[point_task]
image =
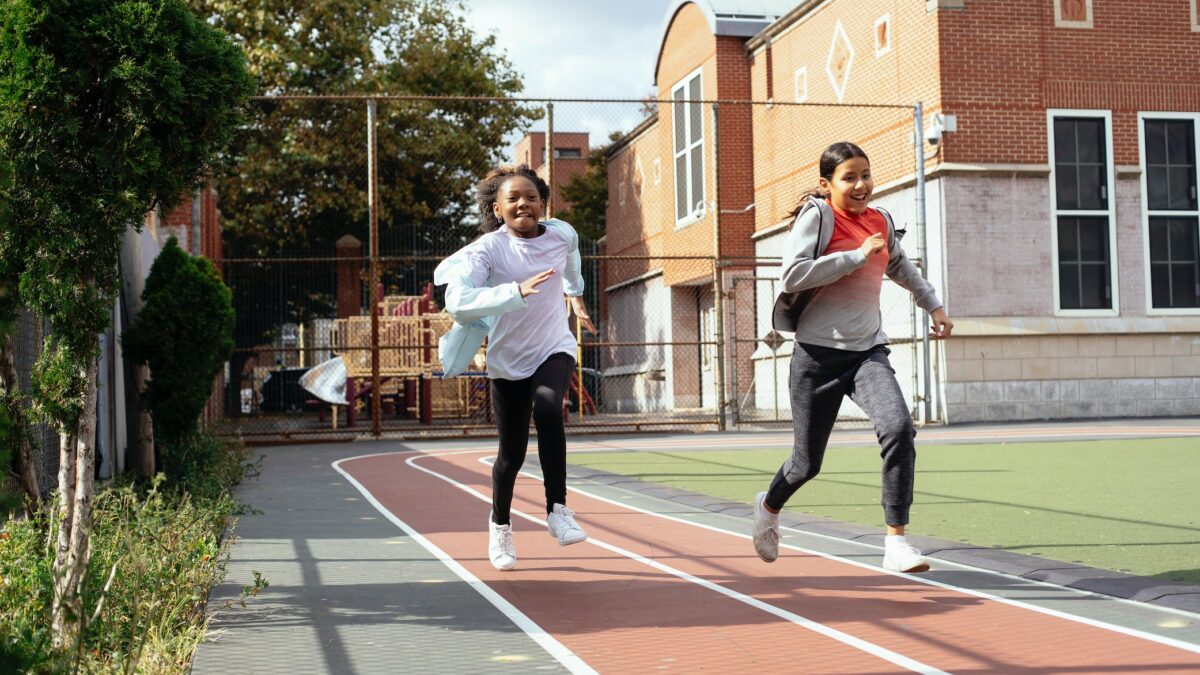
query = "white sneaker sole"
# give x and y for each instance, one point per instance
(568, 542)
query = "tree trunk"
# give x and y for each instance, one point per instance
(77, 488)
(145, 431)
(24, 466)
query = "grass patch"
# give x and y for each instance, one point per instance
(1125, 505)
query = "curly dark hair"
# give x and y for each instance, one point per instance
(486, 189)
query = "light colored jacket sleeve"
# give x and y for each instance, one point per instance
(906, 275)
(803, 266)
(468, 297)
(572, 274)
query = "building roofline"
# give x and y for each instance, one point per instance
(800, 11)
(728, 22)
(619, 144)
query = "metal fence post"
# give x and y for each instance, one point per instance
(718, 292)
(919, 144)
(549, 150)
(373, 293)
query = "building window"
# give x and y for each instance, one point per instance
(1073, 13)
(883, 35)
(801, 84)
(1172, 214)
(567, 153)
(1195, 16)
(1081, 189)
(689, 149)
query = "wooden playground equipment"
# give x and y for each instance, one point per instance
(409, 371)
(409, 328)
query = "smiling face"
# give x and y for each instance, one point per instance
(519, 205)
(851, 186)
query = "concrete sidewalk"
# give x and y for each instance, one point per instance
(351, 593)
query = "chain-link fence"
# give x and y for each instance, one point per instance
(336, 210)
(28, 335)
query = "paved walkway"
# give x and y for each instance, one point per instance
(376, 565)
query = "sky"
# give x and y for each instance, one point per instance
(578, 49)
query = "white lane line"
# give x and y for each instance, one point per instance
(844, 638)
(552, 646)
(1017, 603)
(1132, 632)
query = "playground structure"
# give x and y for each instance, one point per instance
(409, 372)
(411, 386)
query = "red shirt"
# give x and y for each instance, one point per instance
(849, 232)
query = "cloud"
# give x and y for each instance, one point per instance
(576, 49)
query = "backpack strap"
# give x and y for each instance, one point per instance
(894, 235)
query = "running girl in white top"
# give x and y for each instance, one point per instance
(517, 273)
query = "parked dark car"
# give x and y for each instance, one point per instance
(281, 391)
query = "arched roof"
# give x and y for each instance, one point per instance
(737, 18)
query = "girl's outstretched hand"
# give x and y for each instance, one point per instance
(942, 325)
(529, 286)
(581, 311)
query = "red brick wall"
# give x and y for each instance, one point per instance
(789, 139)
(1004, 64)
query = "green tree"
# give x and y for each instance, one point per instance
(184, 332)
(296, 179)
(107, 109)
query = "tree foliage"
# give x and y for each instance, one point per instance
(296, 180)
(184, 332)
(107, 108)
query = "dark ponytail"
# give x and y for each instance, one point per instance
(833, 156)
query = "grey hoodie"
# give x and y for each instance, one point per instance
(806, 273)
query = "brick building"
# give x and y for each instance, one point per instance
(569, 160)
(1062, 232)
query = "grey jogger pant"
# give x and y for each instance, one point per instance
(820, 377)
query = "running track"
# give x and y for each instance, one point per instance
(650, 591)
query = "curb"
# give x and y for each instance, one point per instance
(1070, 575)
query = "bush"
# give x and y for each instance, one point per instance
(185, 333)
(167, 552)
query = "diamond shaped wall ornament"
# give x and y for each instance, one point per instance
(841, 56)
(773, 340)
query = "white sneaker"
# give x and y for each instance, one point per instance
(500, 545)
(903, 557)
(766, 530)
(562, 526)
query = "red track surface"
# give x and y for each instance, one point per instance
(621, 614)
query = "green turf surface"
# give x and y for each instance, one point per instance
(1130, 505)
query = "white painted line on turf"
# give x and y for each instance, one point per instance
(1132, 632)
(552, 646)
(844, 638)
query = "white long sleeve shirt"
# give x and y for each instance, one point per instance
(484, 281)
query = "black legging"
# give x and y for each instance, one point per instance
(512, 402)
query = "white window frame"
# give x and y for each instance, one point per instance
(1195, 17)
(799, 92)
(1110, 213)
(1151, 310)
(881, 50)
(696, 212)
